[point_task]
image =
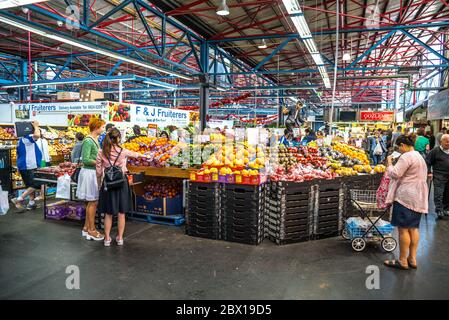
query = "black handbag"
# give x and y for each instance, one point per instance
(113, 175)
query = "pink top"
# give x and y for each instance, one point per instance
(103, 163)
(409, 182)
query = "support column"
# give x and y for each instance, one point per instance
(204, 104)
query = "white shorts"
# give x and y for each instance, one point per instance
(87, 185)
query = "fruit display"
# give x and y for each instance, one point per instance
(289, 157)
(81, 119)
(60, 147)
(157, 150)
(353, 154)
(60, 170)
(119, 112)
(300, 173)
(189, 156)
(7, 133)
(16, 176)
(71, 131)
(162, 188)
(238, 157)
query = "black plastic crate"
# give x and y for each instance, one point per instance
(288, 210)
(281, 242)
(240, 219)
(325, 235)
(199, 234)
(288, 217)
(287, 223)
(243, 205)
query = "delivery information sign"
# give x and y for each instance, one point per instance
(161, 116)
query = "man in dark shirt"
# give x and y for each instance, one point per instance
(438, 160)
(293, 117)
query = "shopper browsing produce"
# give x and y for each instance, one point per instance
(29, 158)
(310, 136)
(115, 199)
(378, 149)
(422, 144)
(438, 165)
(76, 152)
(87, 182)
(137, 133)
(42, 143)
(286, 138)
(409, 196)
(109, 126)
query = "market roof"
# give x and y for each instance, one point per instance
(384, 38)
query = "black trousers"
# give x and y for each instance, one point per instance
(441, 192)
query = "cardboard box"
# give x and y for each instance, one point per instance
(159, 206)
(90, 95)
(66, 95)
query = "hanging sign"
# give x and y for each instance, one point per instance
(119, 112)
(161, 116)
(377, 116)
(152, 130)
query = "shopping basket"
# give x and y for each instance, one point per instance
(365, 202)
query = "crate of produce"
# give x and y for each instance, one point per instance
(56, 210)
(159, 206)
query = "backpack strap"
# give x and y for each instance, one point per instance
(109, 160)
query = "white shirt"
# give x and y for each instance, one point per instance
(445, 151)
(43, 147)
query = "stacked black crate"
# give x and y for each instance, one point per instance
(359, 182)
(328, 209)
(203, 210)
(289, 214)
(243, 213)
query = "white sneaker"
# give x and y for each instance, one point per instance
(84, 233)
(119, 242)
(107, 243)
(97, 237)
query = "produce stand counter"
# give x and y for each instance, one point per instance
(47, 179)
(170, 172)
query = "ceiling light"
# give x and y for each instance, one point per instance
(317, 58)
(346, 56)
(160, 84)
(223, 9)
(302, 26)
(74, 81)
(263, 45)
(17, 3)
(292, 6)
(310, 45)
(88, 47)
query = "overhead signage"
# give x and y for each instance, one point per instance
(377, 116)
(438, 106)
(161, 116)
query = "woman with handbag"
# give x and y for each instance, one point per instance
(115, 193)
(378, 148)
(87, 189)
(408, 193)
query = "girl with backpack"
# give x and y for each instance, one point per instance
(115, 193)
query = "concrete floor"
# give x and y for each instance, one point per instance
(159, 262)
